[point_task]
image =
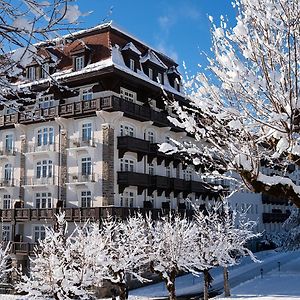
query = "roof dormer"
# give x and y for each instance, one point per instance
(131, 55)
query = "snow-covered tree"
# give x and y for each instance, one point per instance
(23, 24)
(173, 249)
(244, 108)
(64, 264)
(223, 237)
(127, 250)
(5, 268)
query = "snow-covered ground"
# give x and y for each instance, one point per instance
(246, 278)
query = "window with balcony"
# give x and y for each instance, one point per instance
(127, 130)
(43, 200)
(45, 136)
(8, 172)
(39, 233)
(87, 94)
(86, 199)
(6, 201)
(46, 101)
(9, 143)
(127, 94)
(6, 233)
(151, 169)
(86, 132)
(127, 199)
(168, 171)
(79, 63)
(31, 73)
(187, 174)
(86, 166)
(151, 136)
(44, 169)
(45, 70)
(126, 165)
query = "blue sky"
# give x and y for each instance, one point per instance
(179, 28)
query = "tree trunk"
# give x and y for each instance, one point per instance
(171, 288)
(226, 282)
(206, 284)
(122, 291)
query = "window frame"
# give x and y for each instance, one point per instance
(6, 201)
(44, 167)
(86, 199)
(86, 166)
(38, 231)
(6, 232)
(132, 64)
(45, 136)
(79, 62)
(44, 199)
(87, 94)
(127, 164)
(150, 73)
(128, 95)
(31, 73)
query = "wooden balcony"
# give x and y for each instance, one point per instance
(142, 181)
(21, 248)
(89, 107)
(275, 217)
(267, 199)
(133, 144)
(7, 215)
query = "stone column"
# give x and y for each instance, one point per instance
(108, 165)
(22, 168)
(63, 170)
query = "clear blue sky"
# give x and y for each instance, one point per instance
(179, 28)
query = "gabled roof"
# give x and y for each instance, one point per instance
(152, 57)
(132, 47)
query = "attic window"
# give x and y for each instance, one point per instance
(79, 63)
(31, 73)
(159, 78)
(150, 73)
(132, 64)
(45, 69)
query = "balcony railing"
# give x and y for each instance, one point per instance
(267, 199)
(81, 178)
(69, 110)
(34, 147)
(133, 144)
(4, 182)
(33, 181)
(8, 151)
(275, 217)
(81, 142)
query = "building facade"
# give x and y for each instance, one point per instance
(87, 137)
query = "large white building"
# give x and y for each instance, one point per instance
(88, 143)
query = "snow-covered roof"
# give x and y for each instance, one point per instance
(173, 70)
(151, 56)
(132, 47)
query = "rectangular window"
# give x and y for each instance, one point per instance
(45, 70)
(187, 174)
(43, 200)
(127, 165)
(150, 73)
(86, 166)
(126, 130)
(128, 95)
(46, 101)
(87, 94)
(9, 143)
(44, 169)
(86, 132)
(168, 171)
(45, 136)
(5, 233)
(151, 169)
(132, 64)
(86, 199)
(79, 63)
(31, 73)
(127, 199)
(160, 78)
(39, 233)
(6, 202)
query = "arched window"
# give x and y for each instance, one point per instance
(127, 130)
(150, 136)
(127, 165)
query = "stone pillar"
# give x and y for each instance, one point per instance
(22, 168)
(108, 165)
(63, 171)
